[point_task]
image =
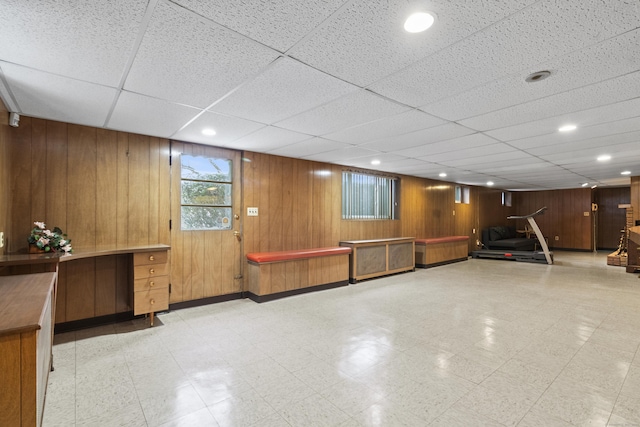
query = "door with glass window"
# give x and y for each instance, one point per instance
(205, 222)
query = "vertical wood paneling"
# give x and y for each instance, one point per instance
(20, 195)
(635, 197)
(122, 191)
(39, 170)
(106, 285)
(107, 192)
(81, 289)
(5, 218)
(138, 200)
(81, 187)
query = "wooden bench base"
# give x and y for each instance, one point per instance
(279, 274)
(441, 250)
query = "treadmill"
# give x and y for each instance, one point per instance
(542, 257)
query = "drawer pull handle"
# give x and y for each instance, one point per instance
(151, 284)
(151, 270)
(151, 258)
(153, 301)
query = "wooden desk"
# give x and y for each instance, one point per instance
(27, 304)
(142, 276)
(373, 258)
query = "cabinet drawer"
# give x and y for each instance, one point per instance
(144, 258)
(152, 300)
(156, 282)
(153, 270)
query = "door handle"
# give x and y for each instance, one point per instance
(237, 234)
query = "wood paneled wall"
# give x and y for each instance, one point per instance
(564, 218)
(4, 173)
(635, 196)
(105, 189)
(300, 201)
(611, 219)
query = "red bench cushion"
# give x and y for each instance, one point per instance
(259, 257)
(446, 239)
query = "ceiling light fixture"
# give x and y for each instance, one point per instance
(208, 132)
(585, 184)
(594, 186)
(625, 173)
(604, 158)
(442, 175)
(489, 183)
(375, 162)
(567, 128)
(419, 22)
(537, 76)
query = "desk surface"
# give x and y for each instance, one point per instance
(22, 301)
(44, 258)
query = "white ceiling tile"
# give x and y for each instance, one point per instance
(366, 41)
(606, 60)
(419, 138)
(603, 114)
(276, 23)
(606, 92)
(498, 159)
(227, 128)
(45, 95)
(354, 109)
(470, 152)
(610, 129)
(576, 146)
(86, 40)
(523, 40)
(186, 59)
(309, 147)
(285, 89)
(162, 118)
(399, 124)
(339, 156)
(268, 138)
(449, 145)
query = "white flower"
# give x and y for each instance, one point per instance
(44, 241)
(47, 233)
(40, 225)
(67, 248)
(62, 242)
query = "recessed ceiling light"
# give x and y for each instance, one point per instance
(419, 22)
(585, 184)
(604, 158)
(489, 183)
(208, 132)
(375, 162)
(625, 173)
(567, 128)
(537, 76)
(442, 174)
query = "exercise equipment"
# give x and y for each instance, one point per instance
(542, 257)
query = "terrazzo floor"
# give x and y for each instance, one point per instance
(476, 343)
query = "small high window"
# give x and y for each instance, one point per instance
(367, 196)
(462, 194)
(506, 198)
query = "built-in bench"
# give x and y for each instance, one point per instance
(441, 250)
(279, 274)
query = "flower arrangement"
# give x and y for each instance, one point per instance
(49, 241)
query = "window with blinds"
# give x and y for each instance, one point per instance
(368, 196)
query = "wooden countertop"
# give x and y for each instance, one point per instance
(43, 258)
(22, 301)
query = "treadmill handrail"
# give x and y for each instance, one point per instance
(538, 212)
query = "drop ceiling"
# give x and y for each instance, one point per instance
(342, 82)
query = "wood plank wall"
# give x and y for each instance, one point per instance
(299, 204)
(635, 196)
(564, 218)
(611, 219)
(4, 173)
(105, 189)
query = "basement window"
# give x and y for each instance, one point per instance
(366, 196)
(205, 193)
(462, 194)
(506, 198)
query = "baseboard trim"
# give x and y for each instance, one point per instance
(278, 295)
(206, 301)
(437, 264)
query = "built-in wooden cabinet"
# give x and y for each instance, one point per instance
(150, 283)
(26, 337)
(373, 258)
